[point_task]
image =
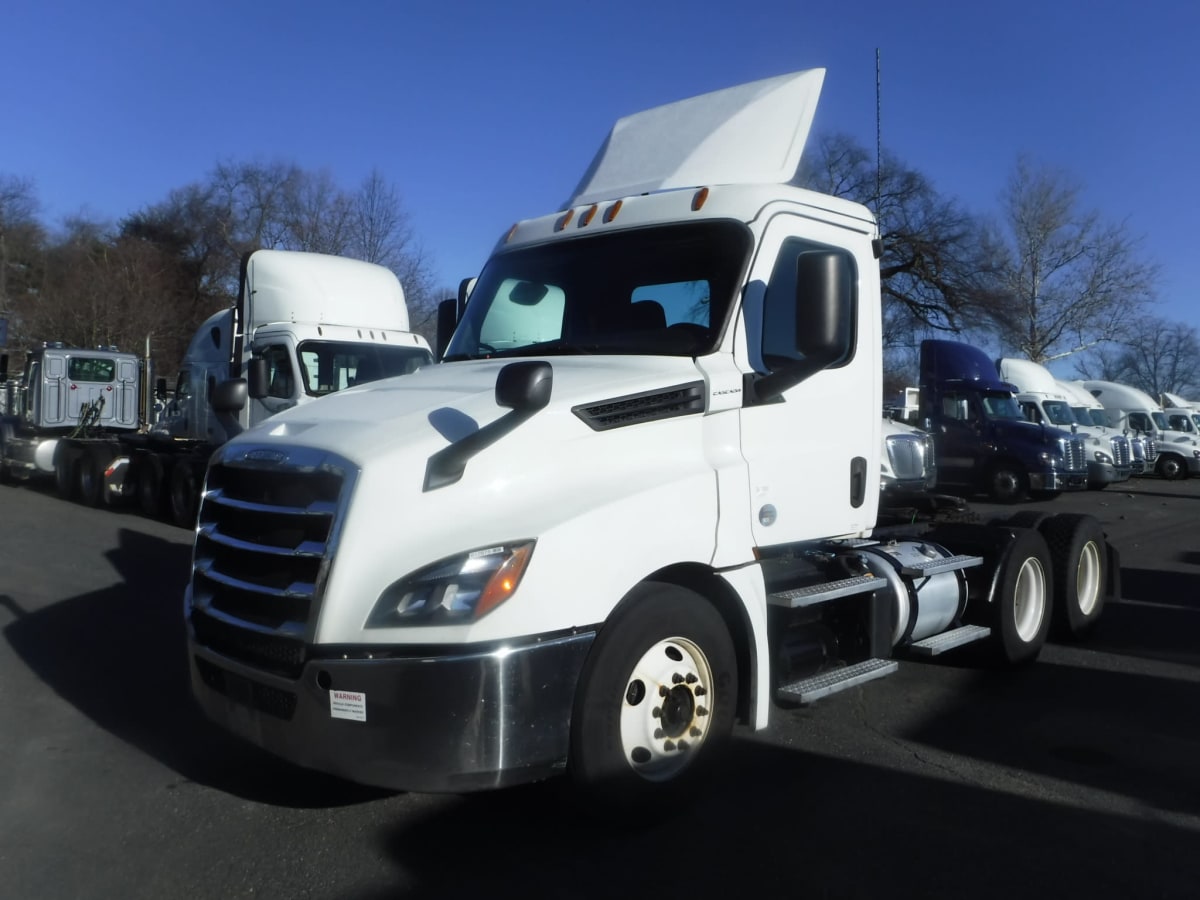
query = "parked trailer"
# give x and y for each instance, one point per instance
(603, 529)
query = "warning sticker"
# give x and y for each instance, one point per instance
(348, 705)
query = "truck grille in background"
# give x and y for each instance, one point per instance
(1074, 454)
(267, 525)
(634, 409)
(1121, 453)
(1151, 446)
(909, 456)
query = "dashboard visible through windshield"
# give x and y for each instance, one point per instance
(662, 291)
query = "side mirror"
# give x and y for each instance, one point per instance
(824, 320)
(230, 396)
(257, 378)
(447, 321)
(824, 291)
(525, 386)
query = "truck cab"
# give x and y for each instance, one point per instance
(983, 441)
(1128, 407)
(604, 528)
(63, 391)
(1044, 402)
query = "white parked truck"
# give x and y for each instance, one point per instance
(1182, 415)
(1129, 407)
(311, 324)
(1089, 412)
(604, 528)
(1108, 452)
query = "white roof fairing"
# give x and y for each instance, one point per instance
(747, 134)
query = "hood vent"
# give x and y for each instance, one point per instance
(648, 406)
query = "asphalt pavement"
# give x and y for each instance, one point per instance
(1075, 776)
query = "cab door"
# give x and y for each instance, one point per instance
(813, 450)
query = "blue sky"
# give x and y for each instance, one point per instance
(482, 114)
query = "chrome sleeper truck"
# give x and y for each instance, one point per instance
(589, 540)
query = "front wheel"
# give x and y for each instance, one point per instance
(1007, 483)
(1171, 467)
(184, 495)
(657, 695)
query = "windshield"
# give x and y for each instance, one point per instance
(1058, 412)
(1097, 416)
(1181, 422)
(328, 366)
(1160, 420)
(664, 291)
(997, 405)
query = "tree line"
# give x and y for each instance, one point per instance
(1042, 277)
(158, 273)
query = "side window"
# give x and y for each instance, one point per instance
(281, 380)
(682, 302)
(1032, 413)
(786, 315)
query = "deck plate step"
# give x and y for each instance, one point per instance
(948, 640)
(828, 590)
(944, 564)
(808, 689)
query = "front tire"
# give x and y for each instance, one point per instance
(1007, 483)
(656, 697)
(1171, 467)
(184, 492)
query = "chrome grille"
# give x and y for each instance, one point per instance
(1074, 454)
(909, 455)
(268, 522)
(1121, 453)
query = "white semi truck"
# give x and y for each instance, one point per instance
(1108, 452)
(1129, 407)
(311, 324)
(1182, 415)
(604, 529)
(1089, 412)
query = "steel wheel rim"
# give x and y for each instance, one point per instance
(1029, 599)
(1087, 578)
(665, 711)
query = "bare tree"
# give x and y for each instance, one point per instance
(1062, 279)
(22, 245)
(933, 255)
(1157, 356)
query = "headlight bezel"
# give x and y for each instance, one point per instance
(455, 590)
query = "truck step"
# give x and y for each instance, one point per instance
(808, 689)
(938, 566)
(948, 640)
(828, 590)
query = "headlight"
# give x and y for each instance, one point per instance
(1050, 459)
(458, 589)
(1102, 457)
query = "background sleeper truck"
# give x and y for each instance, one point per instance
(590, 539)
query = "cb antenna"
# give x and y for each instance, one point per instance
(878, 136)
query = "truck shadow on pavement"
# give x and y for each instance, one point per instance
(119, 656)
(777, 822)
